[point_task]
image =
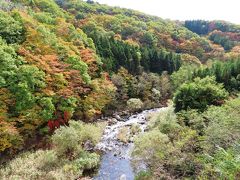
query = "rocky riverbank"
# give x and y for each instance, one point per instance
(117, 144)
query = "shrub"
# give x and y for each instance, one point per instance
(134, 104)
(223, 128)
(68, 140)
(193, 119)
(152, 146)
(46, 165)
(165, 121)
(44, 17)
(144, 175)
(224, 164)
(87, 161)
(199, 94)
(123, 134)
(167, 147)
(135, 129)
(30, 165)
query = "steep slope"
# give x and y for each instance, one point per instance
(49, 70)
(225, 34)
(63, 60)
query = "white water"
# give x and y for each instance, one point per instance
(116, 161)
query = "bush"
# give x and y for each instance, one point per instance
(134, 104)
(68, 140)
(223, 128)
(199, 94)
(123, 135)
(152, 146)
(46, 165)
(30, 165)
(165, 121)
(168, 148)
(144, 175)
(224, 164)
(87, 161)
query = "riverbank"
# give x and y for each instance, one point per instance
(117, 144)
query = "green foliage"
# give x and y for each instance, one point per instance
(30, 165)
(49, 6)
(199, 94)
(225, 72)
(45, 17)
(67, 104)
(224, 164)
(183, 75)
(47, 165)
(48, 108)
(8, 63)
(116, 53)
(134, 104)
(143, 175)
(102, 94)
(27, 80)
(67, 158)
(21, 80)
(166, 122)
(226, 42)
(68, 140)
(10, 29)
(204, 27)
(81, 67)
(86, 162)
(192, 144)
(167, 148)
(223, 125)
(50, 61)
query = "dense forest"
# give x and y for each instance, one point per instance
(66, 63)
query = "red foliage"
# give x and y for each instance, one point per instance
(60, 121)
(51, 125)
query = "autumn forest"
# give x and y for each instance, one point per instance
(66, 65)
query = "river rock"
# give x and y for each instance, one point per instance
(123, 177)
(112, 121)
(88, 146)
(117, 117)
(125, 113)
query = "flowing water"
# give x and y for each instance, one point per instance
(116, 161)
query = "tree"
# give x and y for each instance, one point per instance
(199, 94)
(10, 29)
(81, 66)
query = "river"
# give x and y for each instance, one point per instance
(116, 160)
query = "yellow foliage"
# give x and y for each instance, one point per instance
(102, 94)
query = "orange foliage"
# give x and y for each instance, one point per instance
(90, 58)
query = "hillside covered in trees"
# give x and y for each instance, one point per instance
(66, 63)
